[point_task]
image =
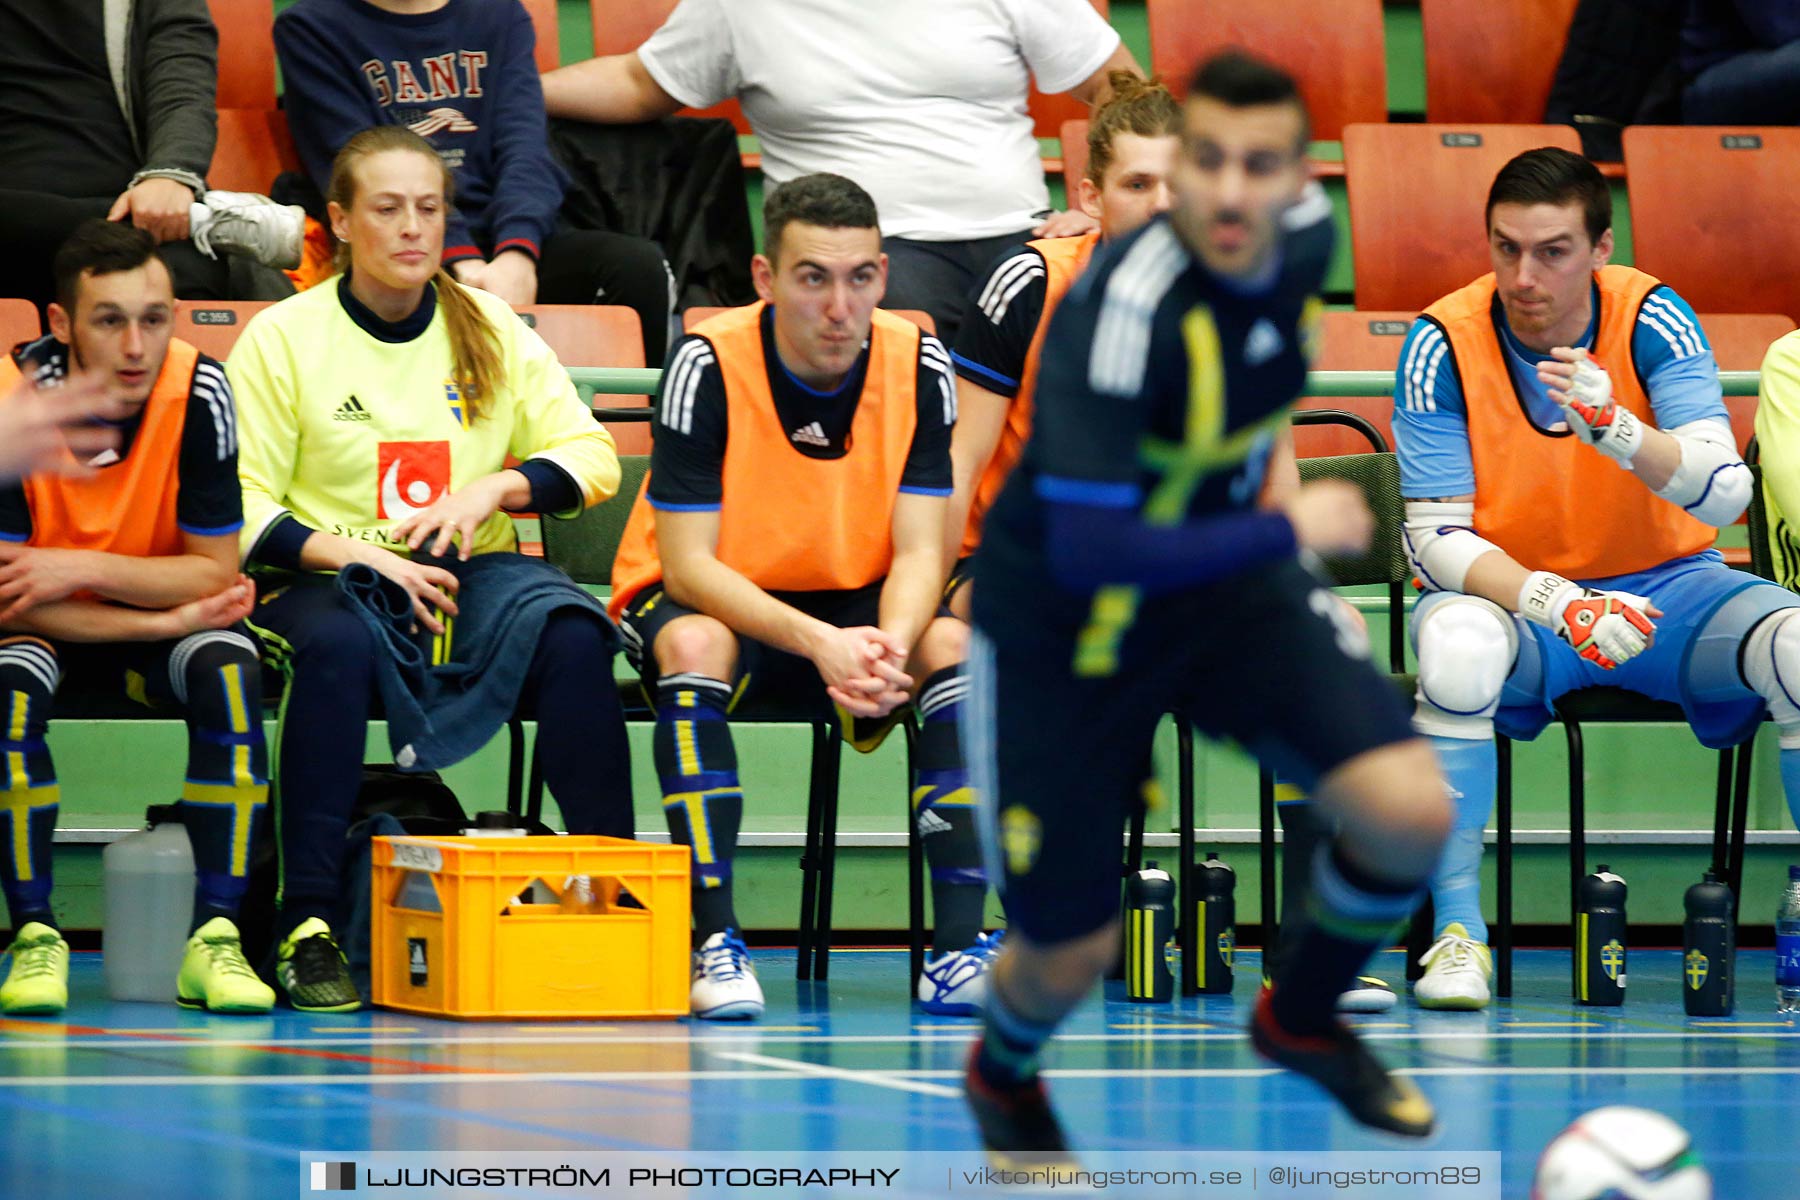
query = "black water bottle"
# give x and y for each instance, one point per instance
(1708, 949)
(1149, 935)
(1215, 916)
(1600, 939)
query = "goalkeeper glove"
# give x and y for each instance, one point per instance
(1606, 628)
(1596, 418)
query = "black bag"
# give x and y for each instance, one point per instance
(678, 181)
(388, 799)
(420, 801)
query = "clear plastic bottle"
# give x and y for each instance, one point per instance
(149, 898)
(578, 895)
(1787, 947)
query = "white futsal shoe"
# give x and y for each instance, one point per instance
(725, 987)
(1456, 973)
(247, 224)
(1366, 994)
(955, 984)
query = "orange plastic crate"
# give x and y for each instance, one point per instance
(448, 940)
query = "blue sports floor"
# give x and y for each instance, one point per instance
(149, 1101)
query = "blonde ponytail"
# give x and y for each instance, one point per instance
(474, 345)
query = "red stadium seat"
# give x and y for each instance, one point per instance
(1417, 197)
(621, 26)
(1715, 213)
(213, 326)
(254, 146)
(246, 52)
(549, 36)
(1491, 64)
(1335, 48)
(1739, 341)
(693, 316)
(1354, 341)
(1049, 111)
(18, 323)
(1074, 154)
(597, 335)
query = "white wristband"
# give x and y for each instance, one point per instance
(1538, 601)
(1625, 440)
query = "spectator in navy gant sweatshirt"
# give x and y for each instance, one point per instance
(1741, 60)
(462, 74)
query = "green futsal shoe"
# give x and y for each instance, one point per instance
(38, 983)
(215, 976)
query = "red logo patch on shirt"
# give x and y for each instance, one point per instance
(411, 477)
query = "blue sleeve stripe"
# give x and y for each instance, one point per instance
(1088, 491)
(907, 490)
(964, 364)
(208, 531)
(664, 506)
(6, 536)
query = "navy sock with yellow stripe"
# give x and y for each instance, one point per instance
(28, 791)
(1349, 915)
(1304, 828)
(696, 762)
(944, 807)
(224, 799)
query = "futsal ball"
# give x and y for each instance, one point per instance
(1621, 1153)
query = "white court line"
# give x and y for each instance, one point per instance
(12, 1040)
(398, 1077)
(790, 1070)
(874, 1078)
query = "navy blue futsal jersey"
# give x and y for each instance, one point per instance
(1163, 389)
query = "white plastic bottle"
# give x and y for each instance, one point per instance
(149, 886)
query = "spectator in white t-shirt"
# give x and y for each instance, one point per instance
(922, 103)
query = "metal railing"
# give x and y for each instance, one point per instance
(639, 381)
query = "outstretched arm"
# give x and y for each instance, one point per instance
(613, 90)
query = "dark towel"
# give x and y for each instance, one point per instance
(440, 714)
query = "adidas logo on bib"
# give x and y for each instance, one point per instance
(1263, 343)
(351, 410)
(810, 435)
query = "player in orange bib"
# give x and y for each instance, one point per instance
(1131, 150)
(790, 542)
(1566, 459)
(121, 577)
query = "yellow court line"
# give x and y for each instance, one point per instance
(1167, 1025)
(1745, 1025)
(1550, 1025)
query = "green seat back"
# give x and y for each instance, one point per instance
(1762, 559)
(1378, 475)
(584, 546)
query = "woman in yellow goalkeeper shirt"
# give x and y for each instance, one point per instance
(378, 411)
